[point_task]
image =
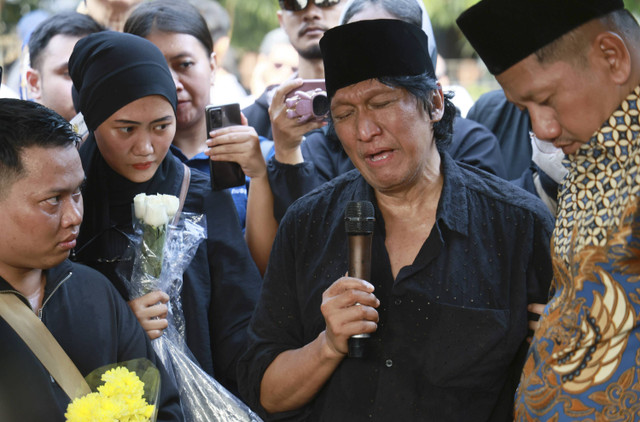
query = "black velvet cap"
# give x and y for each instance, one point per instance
(371, 49)
(503, 32)
(110, 70)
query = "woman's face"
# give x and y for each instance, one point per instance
(134, 140)
(192, 69)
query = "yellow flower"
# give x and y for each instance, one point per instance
(119, 399)
(120, 382)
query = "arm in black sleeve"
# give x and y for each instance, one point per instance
(289, 182)
(475, 145)
(236, 285)
(324, 159)
(276, 325)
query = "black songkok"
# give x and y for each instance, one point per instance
(110, 70)
(372, 49)
(503, 32)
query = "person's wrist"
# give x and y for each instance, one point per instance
(328, 351)
(289, 155)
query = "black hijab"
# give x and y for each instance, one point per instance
(110, 70)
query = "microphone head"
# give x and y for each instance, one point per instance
(359, 217)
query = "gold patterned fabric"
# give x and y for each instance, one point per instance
(584, 361)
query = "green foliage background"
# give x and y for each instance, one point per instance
(443, 14)
(253, 18)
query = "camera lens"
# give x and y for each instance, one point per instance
(216, 118)
(320, 105)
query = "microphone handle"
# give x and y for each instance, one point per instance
(360, 256)
(359, 267)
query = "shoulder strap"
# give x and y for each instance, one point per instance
(186, 178)
(42, 343)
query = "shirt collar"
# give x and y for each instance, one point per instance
(622, 124)
(54, 276)
(452, 208)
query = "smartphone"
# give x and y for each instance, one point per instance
(307, 85)
(224, 174)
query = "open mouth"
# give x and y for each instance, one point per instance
(379, 156)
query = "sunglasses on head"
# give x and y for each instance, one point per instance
(297, 5)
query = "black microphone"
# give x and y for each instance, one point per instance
(359, 219)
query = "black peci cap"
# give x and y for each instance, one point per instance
(372, 49)
(504, 32)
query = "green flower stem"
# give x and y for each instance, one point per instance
(152, 247)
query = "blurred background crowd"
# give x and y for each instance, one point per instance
(254, 53)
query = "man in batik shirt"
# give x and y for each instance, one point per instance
(574, 65)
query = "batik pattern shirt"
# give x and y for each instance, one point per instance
(584, 362)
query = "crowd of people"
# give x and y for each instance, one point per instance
(503, 240)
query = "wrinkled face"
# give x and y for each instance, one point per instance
(42, 210)
(386, 133)
(50, 84)
(192, 69)
(135, 139)
(305, 27)
(566, 103)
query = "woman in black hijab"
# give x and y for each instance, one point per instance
(124, 89)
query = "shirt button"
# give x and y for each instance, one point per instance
(398, 301)
(389, 363)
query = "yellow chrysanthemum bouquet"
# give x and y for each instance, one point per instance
(119, 394)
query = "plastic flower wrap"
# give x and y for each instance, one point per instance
(122, 392)
(169, 243)
(153, 213)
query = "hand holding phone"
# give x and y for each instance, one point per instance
(224, 174)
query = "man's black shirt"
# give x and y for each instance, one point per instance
(450, 343)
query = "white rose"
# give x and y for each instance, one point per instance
(155, 214)
(171, 203)
(139, 205)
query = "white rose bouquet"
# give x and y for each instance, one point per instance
(153, 213)
(164, 245)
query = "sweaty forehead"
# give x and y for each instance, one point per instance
(521, 81)
(359, 92)
(55, 167)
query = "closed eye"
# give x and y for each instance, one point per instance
(340, 116)
(381, 104)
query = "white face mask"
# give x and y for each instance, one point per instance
(548, 158)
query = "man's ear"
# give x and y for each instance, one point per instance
(438, 104)
(611, 50)
(213, 59)
(34, 84)
(279, 15)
